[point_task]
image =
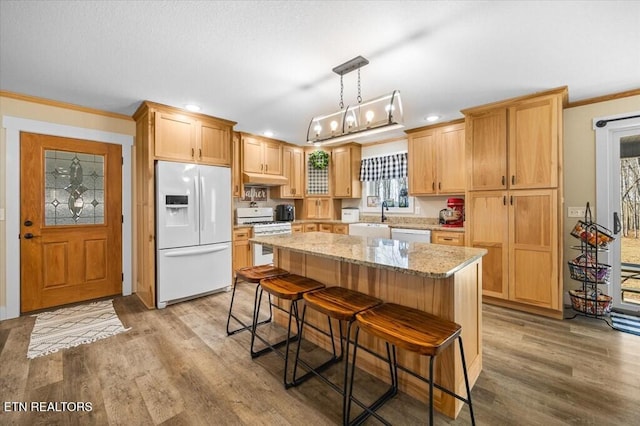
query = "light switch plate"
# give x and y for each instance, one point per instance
(576, 211)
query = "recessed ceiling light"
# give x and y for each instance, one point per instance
(432, 118)
(268, 133)
(192, 107)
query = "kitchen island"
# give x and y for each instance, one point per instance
(443, 280)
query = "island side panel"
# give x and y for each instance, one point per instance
(456, 298)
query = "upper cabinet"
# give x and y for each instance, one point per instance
(436, 159)
(236, 169)
(213, 143)
(293, 170)
(515, 144)
(260, 155)
(183, 136)
(345, 162)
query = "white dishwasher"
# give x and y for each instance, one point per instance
(409, 235)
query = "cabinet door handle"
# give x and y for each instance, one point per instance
(433, 186)
(513, 179)
(237, 188)
(503, 180)
(266, 167)
(348, 190)
(439, 186)
(504, 200)
(261, 167)
(200, 153)
(447, 238)
(511, 200)
(192, 152)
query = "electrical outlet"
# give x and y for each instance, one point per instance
(576, 211)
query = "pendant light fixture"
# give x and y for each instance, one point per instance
(366, 118)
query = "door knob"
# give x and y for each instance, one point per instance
(28, 223)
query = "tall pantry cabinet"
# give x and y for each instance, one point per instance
(514, 199)
(167, 133)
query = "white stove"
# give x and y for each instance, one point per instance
(261, 219)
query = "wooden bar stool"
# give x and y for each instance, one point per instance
(412, 330)
(288, 287)
(252, 275)
(341, 304)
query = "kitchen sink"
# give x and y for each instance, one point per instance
(378, 230)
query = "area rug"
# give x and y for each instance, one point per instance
(73, 326)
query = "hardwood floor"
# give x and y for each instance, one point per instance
(177, 366)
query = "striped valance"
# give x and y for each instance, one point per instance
(386, 167)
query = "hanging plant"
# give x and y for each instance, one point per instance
(319, 160)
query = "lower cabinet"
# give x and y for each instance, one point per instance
(318, 208)
(297, 228)
(341, 229)
(448, 238)
(241, 248)
(325, 227)
(519, 229)
(310, 227)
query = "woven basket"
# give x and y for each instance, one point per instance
(587, 304)
(584, 268)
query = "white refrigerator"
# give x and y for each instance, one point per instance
(193, 235)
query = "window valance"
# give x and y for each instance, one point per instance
(384, 167)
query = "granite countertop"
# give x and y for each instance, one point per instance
(429, 260)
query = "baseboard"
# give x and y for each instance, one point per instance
(545, 312)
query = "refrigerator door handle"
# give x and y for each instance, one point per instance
(197, 200)
(196, 251)
(202, 203)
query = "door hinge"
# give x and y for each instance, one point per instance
(122, 160)
(122, 275)
(122, 219)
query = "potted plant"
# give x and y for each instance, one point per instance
(319, 160)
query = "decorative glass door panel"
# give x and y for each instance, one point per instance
(74, 188)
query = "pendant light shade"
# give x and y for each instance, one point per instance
(362, 119)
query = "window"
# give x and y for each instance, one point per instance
(385, 180)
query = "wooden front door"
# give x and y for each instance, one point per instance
(71, 221)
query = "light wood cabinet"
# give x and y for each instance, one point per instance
(236, 167)
(168, 133)
(310, 227)
(295, 228)
(341, 229)
(345, 162)
(513, 199)
(241, 248)
(185, 138)
(325, 227)
(213, 143)
(437, 160)
(448, 238)
(261, 156)
(318, 208)
(519, 229)
(515, 145)
(293, 170)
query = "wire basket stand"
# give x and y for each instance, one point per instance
(588, 300)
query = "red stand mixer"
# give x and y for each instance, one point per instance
(453, 215)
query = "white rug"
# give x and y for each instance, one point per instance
(69, 327)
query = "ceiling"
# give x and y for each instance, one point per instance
(267, 64)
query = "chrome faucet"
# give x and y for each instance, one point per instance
(384, 206)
